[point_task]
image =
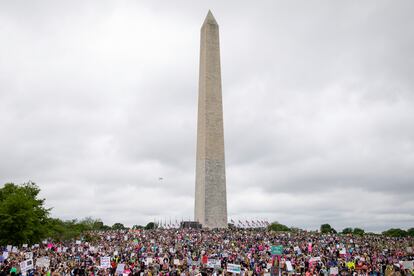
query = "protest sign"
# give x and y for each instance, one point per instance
(350, 265)
(105, 262)
(26, 265)
(28, 255)
(9, 248)
(333, 271)
(408, 265)
(14, 249)
(314, 259)
(277, 250)
(78, 242)
(234, 268)
(120, 269)
(5, 255)
(148, 260)
(213, 263)
(25, 245)
(176, 262)
(289, 266)
(43, 262)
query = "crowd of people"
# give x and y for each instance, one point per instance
(246, 252)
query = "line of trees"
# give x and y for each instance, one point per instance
(328, 229)
(25, 220)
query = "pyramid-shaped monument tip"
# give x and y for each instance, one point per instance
(210, 19)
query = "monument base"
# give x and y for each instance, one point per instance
(190, 225)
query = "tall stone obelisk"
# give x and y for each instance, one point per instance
(210, 192)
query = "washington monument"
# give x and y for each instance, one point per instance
(210, 191)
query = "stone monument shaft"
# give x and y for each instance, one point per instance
(210, 191)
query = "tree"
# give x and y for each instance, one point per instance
(136, 227)
(410, 232)
(347, 230)
(23, 217)
(63, 230)
(359, 231)
(395, 232)
(278, 227)
(150, 225)
(118, 226)
(326, 228)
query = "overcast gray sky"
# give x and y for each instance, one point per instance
(98, 99)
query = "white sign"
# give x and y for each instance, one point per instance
(28, 255)
(5, 254)
(213, 263)
(176, 261)
(233, 268)
(333, 271)
(9, 248)
(78, 242)
(289, 266)
(26, 265)
(315, 259)
(120, 269)
(25, 245)
(148, 260)
(43, 262)
(14, 249)
(105, 262)
(408, 265)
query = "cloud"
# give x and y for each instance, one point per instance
(98, 100)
